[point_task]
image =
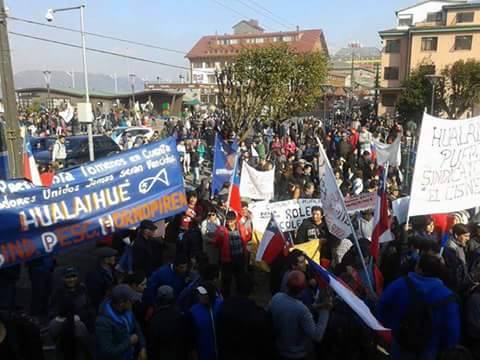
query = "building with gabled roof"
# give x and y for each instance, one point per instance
(212, 52)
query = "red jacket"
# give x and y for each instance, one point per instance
(222, 241)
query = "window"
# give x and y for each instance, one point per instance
(197, 65)
(250, 41)
(212, 79)
(275, 39)
(390, 73)
(435, 17)
(465, 17)
(287, 38)
(392, 46)
(259, 40)
(233, 41)
(463, 42)
(429, 43)
(388, 100)
(405, 21)
(209, 64)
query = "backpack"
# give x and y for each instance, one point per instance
(416, 326)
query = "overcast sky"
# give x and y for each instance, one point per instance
(178, 24)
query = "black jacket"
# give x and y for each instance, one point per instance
(99, 282)
(167, 335)
(244, 330)
(309, 231)
(81, 302)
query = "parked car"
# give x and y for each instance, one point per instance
(119, 132)
(77, 150)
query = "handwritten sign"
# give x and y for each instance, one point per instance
(447, 168)
(89, 202)
(289, 214)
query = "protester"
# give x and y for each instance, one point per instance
(167, 335)
(286, 309)
(422, 312)
(232, 240)
(142, 248)
(73, 290)
(117, 334)
(173, 275)
(202, 318)
(71, 337)
(101, 280)
(59, 152)
(241, 321)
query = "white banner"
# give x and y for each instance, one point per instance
(67, 114)
(255, 184)
(400, 209)
(447, 168)
(336, 215)
(288, 214)
(390, 153)
(364, 201)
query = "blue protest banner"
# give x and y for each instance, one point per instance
(223, 163)
(90, 202)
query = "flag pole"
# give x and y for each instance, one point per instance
(413, 172)
(357, 244)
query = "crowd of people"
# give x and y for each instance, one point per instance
(189, 288)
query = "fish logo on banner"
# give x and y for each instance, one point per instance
(336, 215)
(90, 201)
(147, 184)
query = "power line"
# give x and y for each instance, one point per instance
(264, 15)
(98, 35)
(235, 11)
(270, 12)
(105, 52)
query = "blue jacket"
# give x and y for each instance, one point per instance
(204, 319)
(112, 334)
(393, 305)
(164, 275)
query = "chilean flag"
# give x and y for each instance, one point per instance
(272, 243)
(352, 300)
(234, 200)
(381, 220)
(30, 168)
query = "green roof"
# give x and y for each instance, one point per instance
(192, 102)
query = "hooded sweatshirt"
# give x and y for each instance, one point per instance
(393, 305)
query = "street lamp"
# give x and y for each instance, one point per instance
(48, 77)
(131, 78)
(88, 107)
(434, 80)
(327, 90)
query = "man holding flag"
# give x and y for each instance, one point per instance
(232, 240)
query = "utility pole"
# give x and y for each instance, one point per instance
(14, 148)
(377, 88)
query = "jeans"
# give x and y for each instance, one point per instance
(196, 175)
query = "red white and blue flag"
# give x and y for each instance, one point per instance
(30, 165)
(381, 219)
(272, 243)
(234, 200)
(349, 297)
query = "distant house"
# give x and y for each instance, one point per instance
(433, 33)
